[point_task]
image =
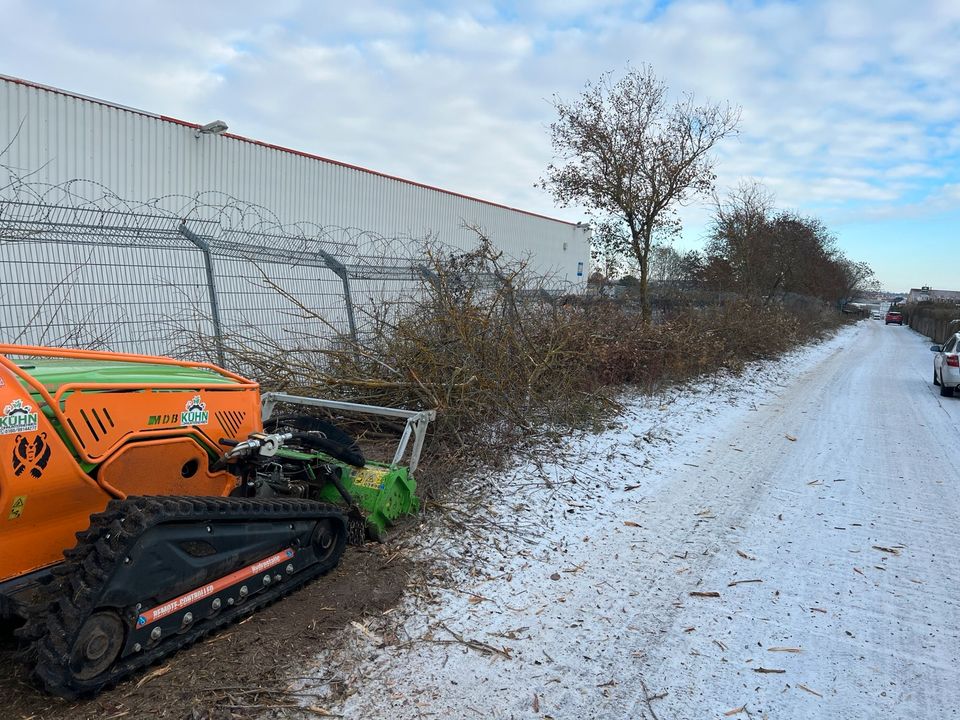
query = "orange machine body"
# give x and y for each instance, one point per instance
(78, 428)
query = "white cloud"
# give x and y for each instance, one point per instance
(848, 107)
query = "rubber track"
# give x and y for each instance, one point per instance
(63, 606)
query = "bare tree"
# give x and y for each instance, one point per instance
(610, 249)
(740, 237)
(666, 265)
(764, 253)
(627, 154)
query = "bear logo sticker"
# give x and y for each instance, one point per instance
(30, 455)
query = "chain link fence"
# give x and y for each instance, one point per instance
(82, 267)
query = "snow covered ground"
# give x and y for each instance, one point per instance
(812, 502)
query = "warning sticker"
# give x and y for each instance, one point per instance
(16, 510)
(369, 477)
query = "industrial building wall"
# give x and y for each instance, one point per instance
(56, 137)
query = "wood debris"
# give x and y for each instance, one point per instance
(363, 630)
(741, 582)
(322, 712)
(791, 438)
(812, 692)
(881, 548)
(153, 674)
(785, 649)
(704, 593)
(768, 670)
(631, 523)
(742, 554)
(735, 711)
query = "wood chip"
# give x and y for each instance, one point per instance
(631, 523)
(742, 554)
(858, 570)
(768, 670)
(741, 582)
(812, 692)
(818, 609)
(735, 711)
(721, 645)
(699, 593)
(536, 703)
(322, 712)
(153, 674)
(881, 548)
(791, 438)
(785, 649)
(366, 633)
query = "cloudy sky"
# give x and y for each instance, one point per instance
(850, 108)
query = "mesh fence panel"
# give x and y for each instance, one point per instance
(177, 275)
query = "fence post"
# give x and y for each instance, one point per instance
(204, 247)
(340, 270)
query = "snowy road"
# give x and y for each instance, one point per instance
(813, 502)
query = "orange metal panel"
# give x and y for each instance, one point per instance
(146, 438)
(45, 496)
(172, 466)
(101, 419)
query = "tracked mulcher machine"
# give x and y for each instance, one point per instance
(146, 501)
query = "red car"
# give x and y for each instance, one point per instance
(894, 317)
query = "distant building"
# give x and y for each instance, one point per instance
(926, 294)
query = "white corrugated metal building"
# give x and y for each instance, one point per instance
(57, 136)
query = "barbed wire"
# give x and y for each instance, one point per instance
(83, 266)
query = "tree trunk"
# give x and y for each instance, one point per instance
(646, 308)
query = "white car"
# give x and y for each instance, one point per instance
(946, 365)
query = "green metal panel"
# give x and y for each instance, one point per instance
(56, 372)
